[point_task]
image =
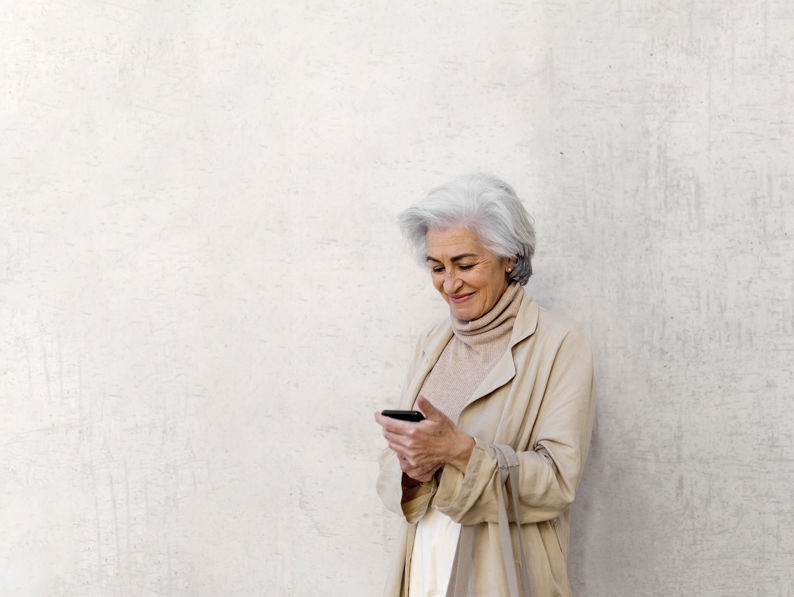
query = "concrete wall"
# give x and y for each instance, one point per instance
(204, 296)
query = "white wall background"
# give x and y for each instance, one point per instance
(204, 296)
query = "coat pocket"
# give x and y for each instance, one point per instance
(557, 531)
(555, 545)
(555, 553)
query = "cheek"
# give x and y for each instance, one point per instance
(476, 280)
(493, 284)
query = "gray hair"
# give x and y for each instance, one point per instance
(484, 204)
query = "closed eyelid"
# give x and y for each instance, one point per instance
(439, 267)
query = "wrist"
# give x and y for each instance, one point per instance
(464, 448)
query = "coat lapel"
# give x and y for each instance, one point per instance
(430, 355)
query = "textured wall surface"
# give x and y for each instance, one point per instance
(204, 296)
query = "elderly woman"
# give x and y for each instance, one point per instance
(485, 482)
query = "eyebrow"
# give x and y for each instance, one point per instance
(455, 258)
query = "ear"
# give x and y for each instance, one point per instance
(511, 263)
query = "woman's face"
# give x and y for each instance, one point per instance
(469, 277)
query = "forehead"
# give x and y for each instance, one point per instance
(455, 240)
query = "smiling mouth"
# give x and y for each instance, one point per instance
(459, 298)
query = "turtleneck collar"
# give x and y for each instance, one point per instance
(503, 313)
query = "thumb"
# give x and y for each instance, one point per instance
(428, 410)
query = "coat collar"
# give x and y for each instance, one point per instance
(524, 326)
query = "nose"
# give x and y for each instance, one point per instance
(451, 282)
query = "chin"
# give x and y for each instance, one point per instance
(465, 314)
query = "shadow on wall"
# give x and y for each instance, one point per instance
(598, 547)
(585, 526)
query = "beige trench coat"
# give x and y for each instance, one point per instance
(537, 399)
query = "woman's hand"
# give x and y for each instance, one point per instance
(426, 446)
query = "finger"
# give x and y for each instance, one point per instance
(413, 437)
(420, 473)
(397, 438)
(397, 443)
(424, 468)
(408, 453)
(401, 448)
(428, 410)
(419, 476)
(394, 425)
(378, 417)
(416, 460)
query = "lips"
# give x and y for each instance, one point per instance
(459, 298)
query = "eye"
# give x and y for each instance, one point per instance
(467, 266)
(437, 269)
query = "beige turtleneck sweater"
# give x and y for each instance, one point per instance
(469, 356)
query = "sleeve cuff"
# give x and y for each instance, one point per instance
(415, 500)
(457, 491)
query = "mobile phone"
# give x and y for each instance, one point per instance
(404, 415)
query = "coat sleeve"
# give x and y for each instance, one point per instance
(550, 470)
(409, 502)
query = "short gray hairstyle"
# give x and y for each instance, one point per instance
(484, 204)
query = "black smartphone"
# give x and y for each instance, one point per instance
(403, 415)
